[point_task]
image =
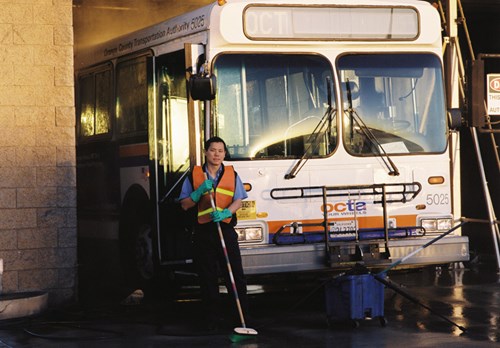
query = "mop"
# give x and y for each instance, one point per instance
(243, 332)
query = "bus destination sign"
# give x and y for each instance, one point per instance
(330, 23)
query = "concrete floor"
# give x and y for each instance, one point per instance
(290, 313)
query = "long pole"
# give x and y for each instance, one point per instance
(243, 330)
(486, 191)
(390, 285)
(403, 259)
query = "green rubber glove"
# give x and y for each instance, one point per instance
(218, 216)
(205, 186)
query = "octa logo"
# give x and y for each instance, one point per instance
(341, 207)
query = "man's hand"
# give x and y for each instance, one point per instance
(218, 216)
(205, 186)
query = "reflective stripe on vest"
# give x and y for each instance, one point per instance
(224, 193)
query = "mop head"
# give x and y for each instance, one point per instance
(242, 334)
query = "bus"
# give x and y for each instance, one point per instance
(334, 114)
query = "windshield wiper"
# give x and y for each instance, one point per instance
(326, 121)
(354, 117)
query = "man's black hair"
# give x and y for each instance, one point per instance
(217, 140)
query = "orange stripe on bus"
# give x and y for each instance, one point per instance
(363, 222)
(134, 150)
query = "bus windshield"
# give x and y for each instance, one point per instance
(270, 105)
(398, 98)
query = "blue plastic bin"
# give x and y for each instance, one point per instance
(354, 297)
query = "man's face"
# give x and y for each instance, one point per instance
(215, 153)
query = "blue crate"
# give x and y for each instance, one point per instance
(354, 297)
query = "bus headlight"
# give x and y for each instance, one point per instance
(429, 224)
(437, 224)
(249, 234)
(444, 224)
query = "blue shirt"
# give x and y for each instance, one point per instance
(239, 190)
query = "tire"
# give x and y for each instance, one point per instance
(136, 246)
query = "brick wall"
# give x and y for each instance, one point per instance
(37, 148)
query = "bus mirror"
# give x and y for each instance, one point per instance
(202, 87)
(454, 118)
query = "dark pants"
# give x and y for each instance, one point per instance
(210, 262)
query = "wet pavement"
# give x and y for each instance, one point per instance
(288, 312)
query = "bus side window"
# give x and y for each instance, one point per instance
(95, 100)
(132, 96)
(172, 131)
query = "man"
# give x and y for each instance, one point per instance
(225, 186)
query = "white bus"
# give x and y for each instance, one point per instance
(335, 116)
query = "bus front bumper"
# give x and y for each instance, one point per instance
(310, 257)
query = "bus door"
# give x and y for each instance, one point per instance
(175, 144)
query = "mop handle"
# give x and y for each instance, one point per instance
(421, 248)
(388, 283)
(228, 263)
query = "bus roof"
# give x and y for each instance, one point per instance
(185, 24)
(233, 28)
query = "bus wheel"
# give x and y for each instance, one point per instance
(136, 252)
(144, 252)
